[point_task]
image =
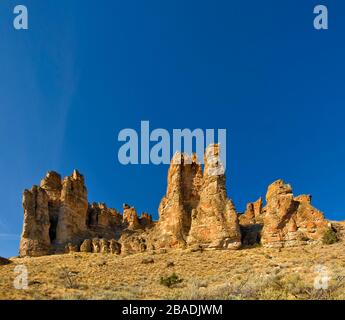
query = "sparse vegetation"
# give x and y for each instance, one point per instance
(170, 281)
(68, 277)
(258, 273)
(330, 237)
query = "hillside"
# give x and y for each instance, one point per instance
(252, 273)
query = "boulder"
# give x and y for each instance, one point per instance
(114, 247)
(96, 246)
(104, 246)
(86, 246)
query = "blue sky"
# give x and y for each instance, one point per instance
(87, 69)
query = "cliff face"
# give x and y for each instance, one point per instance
(195, 211)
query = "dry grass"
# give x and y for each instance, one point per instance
(257, 273)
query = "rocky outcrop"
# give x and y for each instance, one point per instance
(253, 213)
(195, 212)
(58, 219)
(214, 221)
(54, 214)
(134, 243)
(100, 216)
(86, 246)
(114, 247)
(145, 220)
(130, 217)
(289, 220)
(196, 209)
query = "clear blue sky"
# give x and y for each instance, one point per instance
(87, 69)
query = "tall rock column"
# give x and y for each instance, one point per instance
(35, 239)
(73, 211)
(175, 210)
(214, 221)
(52, 185)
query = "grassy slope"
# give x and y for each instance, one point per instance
(257, 273)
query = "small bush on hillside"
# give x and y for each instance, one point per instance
(329, 237)
(69, 278)
(171, 280)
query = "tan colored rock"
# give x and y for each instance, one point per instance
(251, 223)
(104, 246)
(195, 212)
(96, 247)
(214, 221)
(303, 198)
(253, 213)
(289, 220)
(116, 217)
(71, 248)
(99, 215)
(278, 188)
(104, 217)
(52, 185)
(114, 247)
(86, 246)
(74, 206)
(133, 242)
(175, 210)
(130, 217)
(35, 240)
(146, 220)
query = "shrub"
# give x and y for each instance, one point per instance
(329, 237)
(69, 278)
(171, 280)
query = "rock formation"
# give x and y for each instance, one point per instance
(99, 216)
(251, 223)
(86, 246)
(253, 213)
(35, 240)
(58, 219)
(214, 221)
(182, 196)
(130, 217)
(73, 210)
(195, 209)
(289, 220)
(195, 212)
